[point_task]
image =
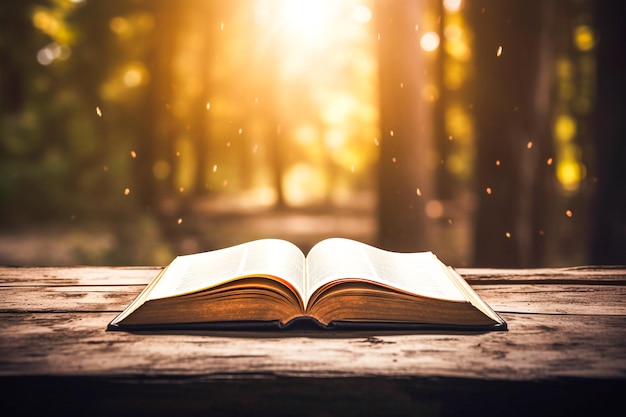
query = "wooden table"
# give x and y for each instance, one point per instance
(564, 354)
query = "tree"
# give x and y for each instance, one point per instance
(608, 244)
(512, 113)
(405, 167)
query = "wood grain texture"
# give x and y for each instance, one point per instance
(535, 347)
(565, 324)
(523, 298)
(102, 275)
(79, 275)
(564, 354)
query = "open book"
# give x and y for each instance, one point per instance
(341, 282)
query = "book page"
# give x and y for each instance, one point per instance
(417, 273)
(265, 257)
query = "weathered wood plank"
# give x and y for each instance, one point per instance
(520, 298)
(102, 275)
(562, 324)
(76, 276)
(607, 275)
(67, 298)
(555, 298)
(536, 347)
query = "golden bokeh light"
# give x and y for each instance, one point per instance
(584, 38)
(429, 41)
(161, 170)
(433, 209)
(133, 77)
(305, 184)
(452, 5)
(120, 26)
(307, 19)
(362, 14)
(565, 128)
(570, 173)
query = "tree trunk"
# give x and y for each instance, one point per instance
(406, 130)
(609, 228)
(512, 115)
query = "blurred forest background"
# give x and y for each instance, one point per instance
(488, 131)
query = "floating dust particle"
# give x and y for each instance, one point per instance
(255, 148)
(208, 105)
(507, 234)
(529, 145)
(497, 162)
(569, 213)
(126, 191)
(488, 190)
(98, 111)
(224, 183)
(418, 192)
(393, 159)
(179, 220)
(177, 154)
(391, 133)
(228, 144)
(401, 85)
(376, 142)
(181, 189)
(499, 53)
(105, 168)
(352, 168)
(450, 137)
(133, 154)
(541, 232)
(449, 221)
(549, 161)
(240, 130)
(214, 168)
